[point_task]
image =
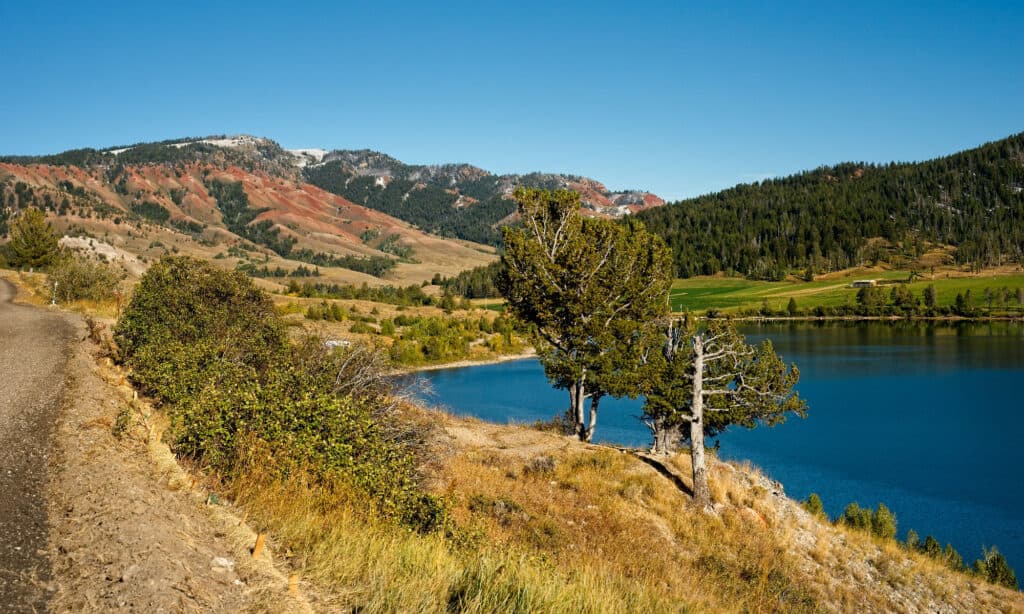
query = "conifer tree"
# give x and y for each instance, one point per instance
(589, 287)
(33, 243)
(709, 379)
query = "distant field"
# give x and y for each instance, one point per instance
(729, 294)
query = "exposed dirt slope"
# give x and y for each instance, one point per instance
(129, 531)
(94, 197)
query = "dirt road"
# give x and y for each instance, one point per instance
(33, 358)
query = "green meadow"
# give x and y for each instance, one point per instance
(699, 294)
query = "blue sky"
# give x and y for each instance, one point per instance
(676, 98)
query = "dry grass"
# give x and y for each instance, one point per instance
(572, 529)
(549, 524)
(370, 566)
(33, 290)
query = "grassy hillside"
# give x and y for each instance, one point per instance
(836, 217)
(732, 295)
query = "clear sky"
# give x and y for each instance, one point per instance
(676, 98)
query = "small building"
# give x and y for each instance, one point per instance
(864, 283)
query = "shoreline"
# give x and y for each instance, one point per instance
(460, 364)
(531, 353)
(951, 319)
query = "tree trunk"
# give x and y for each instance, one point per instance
(579, 410)
(701, 490)
(570, 414)
(593, 417)
(666, 438)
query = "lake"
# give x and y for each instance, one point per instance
(925, 417)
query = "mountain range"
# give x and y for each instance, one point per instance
(451, 200)
(373, 216)
(363, 211)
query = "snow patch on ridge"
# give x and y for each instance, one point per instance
(231, 142)
(308, 157)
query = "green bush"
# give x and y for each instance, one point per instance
(208, 344)
(994, 568)
(186, 300)
(883, 522)
(82, 278)
(856, 517)
(362, 328)
(880, 522)
(814, 506)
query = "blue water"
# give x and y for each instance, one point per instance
(926, 418)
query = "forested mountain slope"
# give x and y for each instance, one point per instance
(839, 216)
(455, 200)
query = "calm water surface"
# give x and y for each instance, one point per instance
(926, 418)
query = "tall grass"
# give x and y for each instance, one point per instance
(376, 566)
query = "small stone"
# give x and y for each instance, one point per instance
(130, 573)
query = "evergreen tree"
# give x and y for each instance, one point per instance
(931, 297)
(588, 286)
(849, 214)
(913, 540)
(994, 568)
(856, 517)
(33, 242)
(902, 297)
(883, 522)
(710, 379)
(932, 547)
(814, 506)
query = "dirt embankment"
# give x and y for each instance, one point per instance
(96, 514)
(129, 529)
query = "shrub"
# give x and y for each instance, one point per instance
(931, 547)
(208, 343)
(814, 506)
(362, 328)
(994, 568)
(504, 510)
(883, 522)
(913, 540)
(856, 517)
(542, 466)
(190, 301)
(82, 278)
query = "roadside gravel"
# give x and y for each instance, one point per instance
(33, 357)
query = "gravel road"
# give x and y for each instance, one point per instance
(33, 358)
